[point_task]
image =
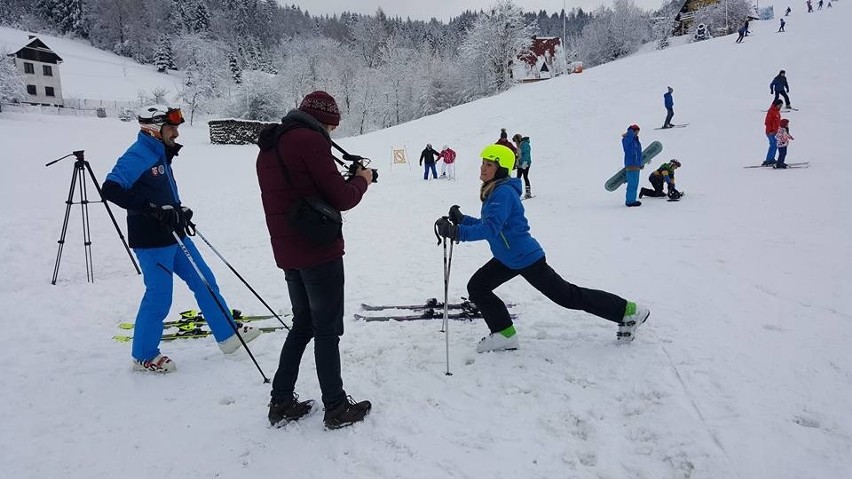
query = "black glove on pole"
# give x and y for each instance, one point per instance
(456, 215)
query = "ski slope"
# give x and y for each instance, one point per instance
(743, 370)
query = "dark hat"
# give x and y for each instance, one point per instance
(503, 133)
(634, 127)
(321, 106)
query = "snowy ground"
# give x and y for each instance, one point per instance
(743, 370)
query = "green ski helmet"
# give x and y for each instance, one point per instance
(500, 154)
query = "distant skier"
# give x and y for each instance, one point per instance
(780, 87)
(428, 156)
(781, 28)
(524, 161)
(742, 32)
(787, 13)
(668, 102)
(448, 156)
(782, 138)
(632, 162)
(772, 123)
(504, 140)
(664, 175)
(819, 5)
(810, 6)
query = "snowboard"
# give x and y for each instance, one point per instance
(620, 178)
(682, 125)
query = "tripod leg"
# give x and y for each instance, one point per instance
(87, 233)
(112, 217)
(68, 204)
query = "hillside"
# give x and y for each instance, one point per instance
(741, 372)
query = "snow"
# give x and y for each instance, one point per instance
(741, 371)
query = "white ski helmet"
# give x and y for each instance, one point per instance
(159, 115)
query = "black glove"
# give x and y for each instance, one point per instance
(446, 229)
(456, 215)
(173, 217)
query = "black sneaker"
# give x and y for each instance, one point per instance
(292, 410)
(635, 203)
(347, 413)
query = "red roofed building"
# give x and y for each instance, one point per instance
(545, 59)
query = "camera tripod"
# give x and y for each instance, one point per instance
(78, 180)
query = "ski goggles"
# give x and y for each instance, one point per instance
(172, 116)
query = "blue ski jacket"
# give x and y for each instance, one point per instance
(632, 149)
(143, 176)
(502, 223)
(668, 100)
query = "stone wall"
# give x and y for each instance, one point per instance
(235, 132)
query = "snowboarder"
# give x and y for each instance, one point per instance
(524, 161)
(781, 28)
(772, 123)
(664, 175)
(782, 138)
(143, 183)
(668, 102)
(428, 156)
(300, 164)
(780, 87)
(515, 252)
(632, 162)
(504, 140)
(448, 156)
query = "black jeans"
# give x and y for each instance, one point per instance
(542, 277)
(784, 94)
(669, 116)
(525, 174)
(316, 294)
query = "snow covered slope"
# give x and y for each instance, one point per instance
(741, 372)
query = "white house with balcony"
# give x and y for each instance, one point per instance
(40, 68)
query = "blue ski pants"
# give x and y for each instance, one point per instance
(773, 147)
(158, 266)
(632, 186)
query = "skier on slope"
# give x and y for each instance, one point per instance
(448, 167)
(772, 122)
(668, 102)
(504, 140)
(142, 182)
(504, 225)
(782, 138)
(779, 87)
(524, 161)
(664, 175)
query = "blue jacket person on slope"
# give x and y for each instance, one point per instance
(142, 182)
(632, 162)
(516, 252)
(668, 102)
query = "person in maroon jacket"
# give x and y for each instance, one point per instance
(314, 273)
(504, 140)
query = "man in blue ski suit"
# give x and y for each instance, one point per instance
(668, 101)
(142, 182)
(632, 163)
(780, 87)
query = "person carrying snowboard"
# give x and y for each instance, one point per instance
(782, 139)
(668, 102)
(515, 252)
(780, 87)
(664, 175)
(632, 163)
(524, 161)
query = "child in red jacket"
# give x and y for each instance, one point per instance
(448, 168)
(782, 138)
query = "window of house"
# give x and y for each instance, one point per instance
(31, 89)
(47, 70)
(29, 68)
(48, 90)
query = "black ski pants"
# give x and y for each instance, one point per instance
(657, 182)
(542, 277)
(783, 93)
(669, 116)
(316, 294)
(525, 174)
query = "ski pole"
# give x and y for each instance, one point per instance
(218, 303)
(448, 262)
(195, 229)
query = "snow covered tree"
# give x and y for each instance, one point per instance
(714, 17)
(258, 97)
(12, 87)
(234, 66)
(494, 41)
(164, 56)
(614, 33)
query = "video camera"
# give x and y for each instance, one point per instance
(359, 162)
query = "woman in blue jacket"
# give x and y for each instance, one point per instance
(516, 252)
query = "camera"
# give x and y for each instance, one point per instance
(359, 162)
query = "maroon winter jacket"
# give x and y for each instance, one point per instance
(307, 155)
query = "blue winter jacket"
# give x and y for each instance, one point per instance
(143, 176)
(525, 150)
(504, 226)
(668, 100)
(632, 149)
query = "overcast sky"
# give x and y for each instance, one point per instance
(444, 9)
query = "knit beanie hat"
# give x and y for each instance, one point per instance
(321, 106)
(503, 133)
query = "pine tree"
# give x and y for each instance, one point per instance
(234, 65)
(164, 56)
